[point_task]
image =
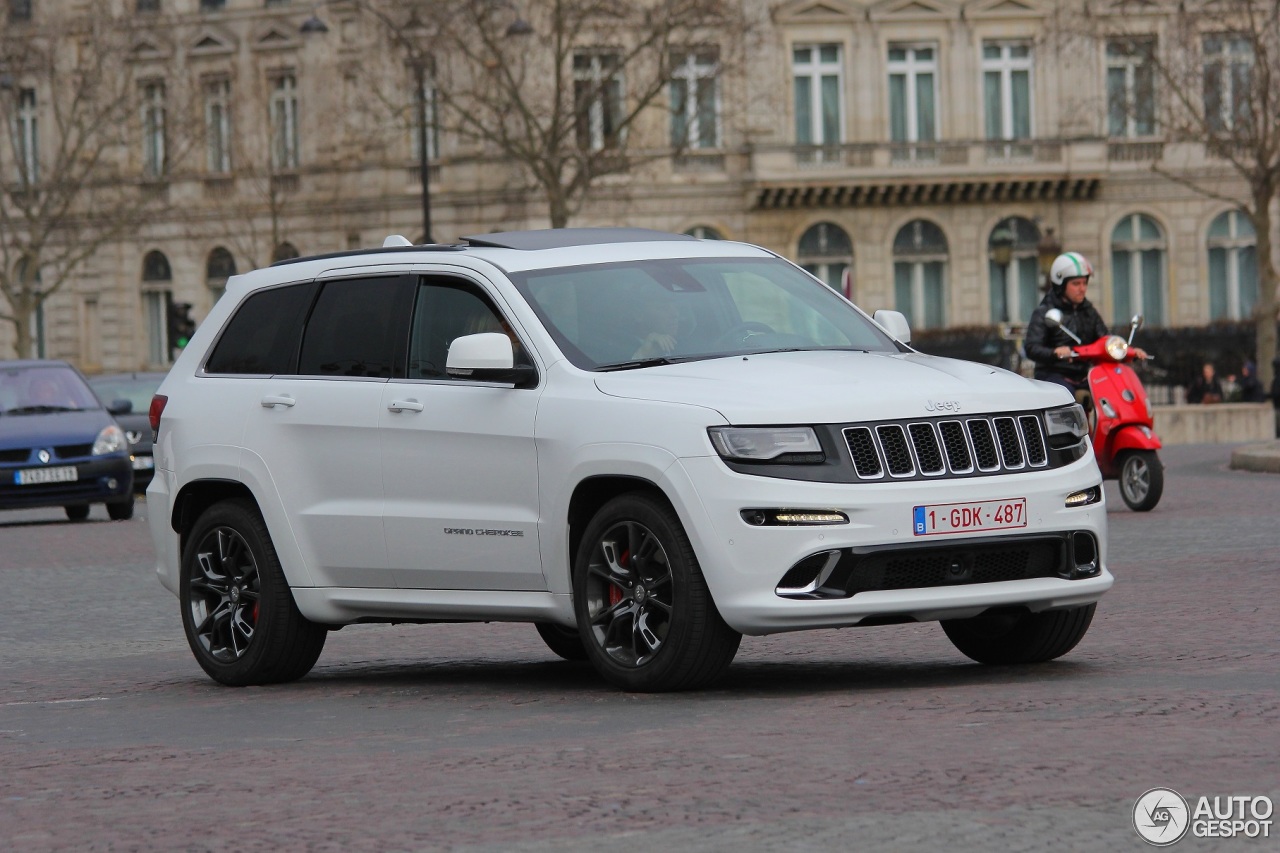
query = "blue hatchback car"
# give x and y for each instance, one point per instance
(59, 446)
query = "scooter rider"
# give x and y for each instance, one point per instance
(1050, 348)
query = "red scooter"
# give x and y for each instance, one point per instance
(1124, 443)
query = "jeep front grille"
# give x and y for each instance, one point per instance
(901, 450)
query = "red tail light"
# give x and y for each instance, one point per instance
(157, 409)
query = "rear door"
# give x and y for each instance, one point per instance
(459, 463)
(313, 434)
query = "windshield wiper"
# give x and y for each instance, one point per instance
(38, 410)
(656, 361)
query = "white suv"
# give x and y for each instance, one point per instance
(645, 444)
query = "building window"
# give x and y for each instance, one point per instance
(148, 5)
(825, 251)
(27, 138)
(153, 130)
(1228, 72)
(1131, 88)
(157, 277)
(1006, 84)
(218, 267)
(217, 122)
(597, 98)
(919, 274)
(155, 267)
(284, 122)
(1014, 268)
(913, 100)
(19, 11)
(212, 5)
(432, 135)
(819, 93)
(695, 100)
(1138, 269)
(1233, 267)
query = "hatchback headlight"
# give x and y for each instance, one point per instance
(1117, 347)
(767, 444)
(1067, 425)
(110, 440)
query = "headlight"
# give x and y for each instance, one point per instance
(1116, 347)
(767, 444)
(110, 440)
(1067, 425)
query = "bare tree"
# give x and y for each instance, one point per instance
(568, 91)
(71, 106)
(1217, 81)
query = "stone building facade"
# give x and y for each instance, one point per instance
(922, 154)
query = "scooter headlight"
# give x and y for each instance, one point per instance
(1117, 347)
(1067, 425)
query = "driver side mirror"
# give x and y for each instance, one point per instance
(486, 357)
(895, 323)
(120, 407)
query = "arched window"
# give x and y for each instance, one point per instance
(920, 274)
(1014, 268)
(155, 267)
(1138, 269)
(1233, 267)
(284, 252)
(827, 252)
(219, 267)
(704, 232)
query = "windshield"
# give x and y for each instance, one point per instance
(636, 313)
(138, 390)
(41, 389)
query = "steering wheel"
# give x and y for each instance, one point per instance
(741, 333)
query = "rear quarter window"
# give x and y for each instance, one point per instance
(263, 335)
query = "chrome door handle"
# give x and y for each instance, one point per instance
(273, 400)
(404, 406)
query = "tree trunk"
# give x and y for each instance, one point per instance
(1265, 312)
(22, 311)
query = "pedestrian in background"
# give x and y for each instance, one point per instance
(1206, 388)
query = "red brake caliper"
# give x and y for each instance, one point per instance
(615, 594)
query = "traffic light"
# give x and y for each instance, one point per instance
(180, 325)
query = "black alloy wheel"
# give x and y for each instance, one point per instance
(642, 603)
(240, 618)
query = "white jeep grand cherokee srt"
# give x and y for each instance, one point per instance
(645, 444)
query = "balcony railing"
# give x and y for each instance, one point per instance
(1134, 151)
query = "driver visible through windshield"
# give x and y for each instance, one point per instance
(638, 313)
(37, 390)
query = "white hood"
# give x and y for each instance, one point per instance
(834, 387)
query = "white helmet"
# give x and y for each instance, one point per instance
(1069, 265)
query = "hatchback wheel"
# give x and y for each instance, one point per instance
(121, 510)
(240, 618)
(642, 603)
(77, 512)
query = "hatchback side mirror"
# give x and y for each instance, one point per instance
(486, 357)
(120, 407)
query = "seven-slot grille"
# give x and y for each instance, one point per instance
(983, 444)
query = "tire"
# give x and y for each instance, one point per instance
(121, 510)
(77, 512)
(1019, 636)
(237, 611)
(644, 612)
(565, 642)
(1141, 480)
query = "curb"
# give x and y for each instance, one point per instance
(1257, 457)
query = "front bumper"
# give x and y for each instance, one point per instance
(744, 564)
(104, 479)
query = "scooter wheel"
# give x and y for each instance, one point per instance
(1141, 480)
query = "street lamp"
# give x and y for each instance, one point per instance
(1047, 251)
(411, 36)
(1002, 240)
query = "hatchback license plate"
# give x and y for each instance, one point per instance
(963, 518)
(35, 476)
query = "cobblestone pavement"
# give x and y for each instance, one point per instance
(476, 738)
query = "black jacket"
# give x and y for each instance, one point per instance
(1041, 341)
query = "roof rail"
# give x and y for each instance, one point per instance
(559, 238)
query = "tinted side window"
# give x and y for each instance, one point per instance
(448, 309)
(263, 335)
(354, 328)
